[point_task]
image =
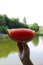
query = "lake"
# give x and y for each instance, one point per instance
(10, 57)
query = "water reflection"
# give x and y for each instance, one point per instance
(36, 52)
(38, 48)
(6, 47)
(12, 58)
(42, 38)
(35, 41)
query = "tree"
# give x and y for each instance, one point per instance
(5, 29)
(6, 19)
(15, 23)
(24, 20)
(35, 27)
(2, 22)
(6, 22)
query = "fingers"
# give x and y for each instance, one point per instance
(20, 46)
(26, 50)
(25, 46)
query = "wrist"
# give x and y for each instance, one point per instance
(28, 62)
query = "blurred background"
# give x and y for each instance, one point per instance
(21, 14)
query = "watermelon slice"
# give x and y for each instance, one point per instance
(21, 34)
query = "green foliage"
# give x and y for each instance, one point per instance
(35, 27)
(2, 22)
(14, 23)
(6, 23)
(1, 29)
(5, 29)
(41, 30)
(6, 19)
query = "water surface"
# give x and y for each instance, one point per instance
(36, 53)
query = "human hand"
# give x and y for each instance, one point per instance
(24, 53)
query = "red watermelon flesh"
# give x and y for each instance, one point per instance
(21, 34)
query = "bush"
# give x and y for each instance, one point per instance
(5, 29)
(35, 27)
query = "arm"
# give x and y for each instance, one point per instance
(24, 54)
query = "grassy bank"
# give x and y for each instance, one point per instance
(40, 31)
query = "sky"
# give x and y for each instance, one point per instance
(31, 9)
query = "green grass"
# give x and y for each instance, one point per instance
(41, 30)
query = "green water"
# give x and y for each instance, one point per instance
(9, 52)
(7, 46)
